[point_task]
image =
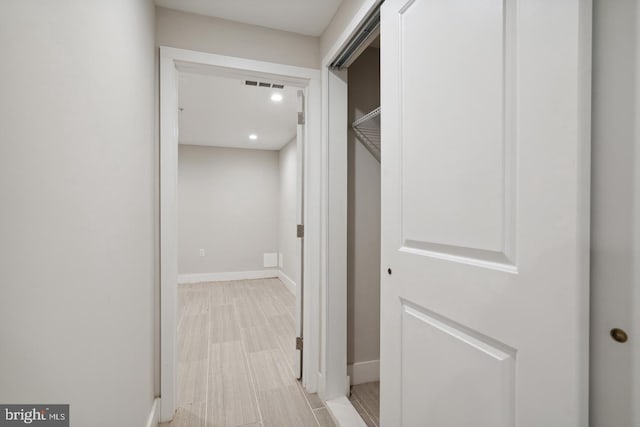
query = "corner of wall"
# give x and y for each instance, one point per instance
(288, 281)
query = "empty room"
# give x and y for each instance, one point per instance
(239, 254)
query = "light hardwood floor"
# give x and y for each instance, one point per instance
(366, 399)
(236, 358)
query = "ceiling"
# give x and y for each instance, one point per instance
(309, 17)
(223, 112)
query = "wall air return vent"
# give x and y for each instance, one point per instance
(263, 84)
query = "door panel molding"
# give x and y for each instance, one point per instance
(478, 377)
(473, 221)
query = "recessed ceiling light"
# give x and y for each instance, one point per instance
(253, 137)
(276, 97)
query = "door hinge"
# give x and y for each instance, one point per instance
(300, 230)
(301, 117)
(298, 343)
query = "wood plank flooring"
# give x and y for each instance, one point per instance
(236, 358)
(366, 399)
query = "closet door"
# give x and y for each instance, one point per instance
(485, 202)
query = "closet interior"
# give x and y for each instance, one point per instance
(363, 228)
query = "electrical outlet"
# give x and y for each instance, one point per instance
(201, 252)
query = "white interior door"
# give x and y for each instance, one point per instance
(485, 190)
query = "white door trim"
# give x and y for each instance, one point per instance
(171, 61)
(333, 381)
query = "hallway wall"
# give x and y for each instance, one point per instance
(77, 214)
(214, 35)
(228, 201)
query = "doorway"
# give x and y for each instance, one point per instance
(363, 232)
(614, 304)
(239, 258)
(337, 83)
(176, 62)
(351, 290)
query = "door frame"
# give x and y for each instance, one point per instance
(333, 385)
(173, 60)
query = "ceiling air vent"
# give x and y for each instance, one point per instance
(251, 83)
(263, 84)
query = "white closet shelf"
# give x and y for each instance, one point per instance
(367, 129)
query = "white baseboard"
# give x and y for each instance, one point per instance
(288, 282)
(222, 277)
(364, 372)
(152, 421)
(343, 413)
(320, 383)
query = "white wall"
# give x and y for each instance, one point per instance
(342, 18)
(77, 211)
(214, 35)
(363, 223)
(288, 243)
(228, 201)
(615, 256)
